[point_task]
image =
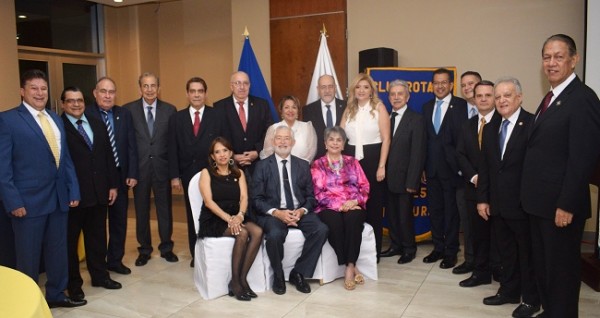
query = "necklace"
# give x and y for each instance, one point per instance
(336, 166)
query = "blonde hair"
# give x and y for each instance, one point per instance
(352, 104)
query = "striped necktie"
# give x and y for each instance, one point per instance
(111, 136)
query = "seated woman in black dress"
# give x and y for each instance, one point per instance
(225, 193)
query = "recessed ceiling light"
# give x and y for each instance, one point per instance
(118, 0)
(22, 16)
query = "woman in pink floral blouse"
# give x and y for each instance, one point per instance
(341, 189)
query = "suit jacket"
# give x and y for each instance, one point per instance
(124, 138)
(95, 168)
(562, 152)
(258, 121)
(441, 148)
(406, 158)
(28, 174)
(188, 154)
(312, 112)
(499, 181)
(152, 149)
(266, 187)
(469, 154)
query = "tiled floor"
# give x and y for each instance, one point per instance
(162, 289)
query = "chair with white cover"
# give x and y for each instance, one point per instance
(292, 248)
(212, 261)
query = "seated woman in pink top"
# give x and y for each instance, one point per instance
(341, 189)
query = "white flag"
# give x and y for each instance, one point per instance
(324, 66)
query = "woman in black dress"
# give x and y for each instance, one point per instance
(225, 193)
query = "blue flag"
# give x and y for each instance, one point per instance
(258, 87)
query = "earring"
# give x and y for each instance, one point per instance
(214, 164)
(231, 161)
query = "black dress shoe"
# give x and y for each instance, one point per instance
(462, 268)
(499, 299)
(108, 284)
(120, 269)
(170, 257)
(390, 252)
(525, 310)
(406, 258)
(76, 294)
(448, 262)
(297, 280)
(475, 280)
(67, 302)
(278, 286)
(142, 260)
(433, 257)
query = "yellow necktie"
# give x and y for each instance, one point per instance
(480, 133)
(50, 137)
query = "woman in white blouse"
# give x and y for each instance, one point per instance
(367, 126)
(304, 132)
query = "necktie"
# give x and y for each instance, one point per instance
(50, 137)
(289, 201)
(329, 116)
(480, 132)
(473, 112)
(196, 123)
(83, 134)
(111, 137)
(437, 116)
(393, 122)
(242, 114)
(503, 132)
(545, 103)
(150, 120)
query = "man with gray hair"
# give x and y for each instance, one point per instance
(504, 143)
(405, 163)
(283, 197)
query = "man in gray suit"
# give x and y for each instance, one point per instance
(406, 160)
(151, 122)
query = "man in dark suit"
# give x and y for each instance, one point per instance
(404, 168)
(98, 182)
(245, 119)
(38, 184)
(150, 117)
(561, 155)
(283, 197)
(119, 126)
(503, 150)
(191, 131)
(469, 156)
(324, 113)
(443, 115)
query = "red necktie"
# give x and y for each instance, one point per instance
(196, 123)
(546, 103)
(242, 114)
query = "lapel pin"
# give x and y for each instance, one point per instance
(520, 123)
(451, 106)
(558, 103)
(117, 117)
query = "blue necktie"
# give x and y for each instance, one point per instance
(289, 200)
(437, 116)
(503, 132)
(83, 134)
(329, 117)
(473, 112)
(111, 137)
(150, 120)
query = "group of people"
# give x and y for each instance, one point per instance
(515, 182)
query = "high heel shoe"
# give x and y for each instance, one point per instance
(250, 293)
(241, 295)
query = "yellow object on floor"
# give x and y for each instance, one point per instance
(81, 248)
(20, 296)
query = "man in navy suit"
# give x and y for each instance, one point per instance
(283, 197)
(118, 122)
(444, 115)
(326, 109)
(562, 152)
(191, 131)
(150, 117)
(38, 184)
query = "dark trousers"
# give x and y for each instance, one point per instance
(117, 225)
(465, 224)
(148, 183)
(443, 214)
(486, 257)
(48, 233)
(275, 232)
(345, 233)
(402, 222)
(557, 259)
(92, 220)
(7, 240)
(514, 242)
(369, 164)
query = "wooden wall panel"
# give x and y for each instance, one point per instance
(287, 8)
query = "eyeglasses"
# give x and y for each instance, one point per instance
(73, 101)
(240, 84)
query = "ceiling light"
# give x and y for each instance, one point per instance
(22, 16)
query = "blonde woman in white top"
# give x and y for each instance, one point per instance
(367, 125)
(304, 132)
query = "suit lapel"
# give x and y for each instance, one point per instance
(338, 112)
(555, 105)
(30, 120)
(275, 176)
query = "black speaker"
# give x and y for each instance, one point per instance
(377, 57)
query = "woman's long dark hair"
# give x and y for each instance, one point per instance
(212, 165)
